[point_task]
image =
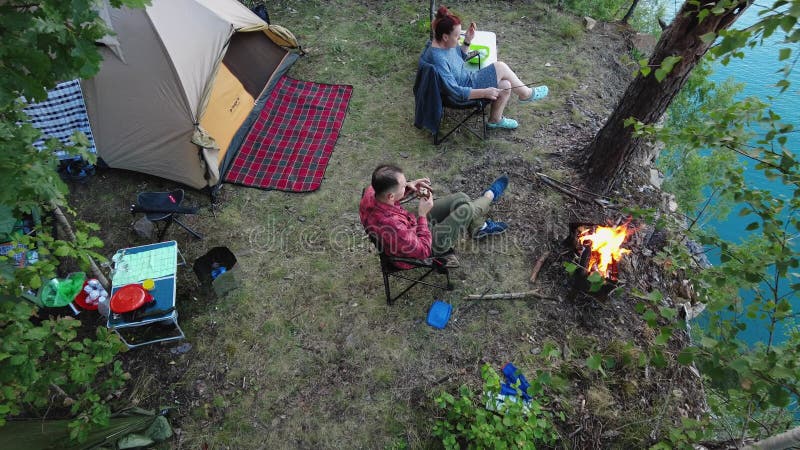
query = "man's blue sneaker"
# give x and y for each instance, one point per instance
(490, 228)
(497, 187)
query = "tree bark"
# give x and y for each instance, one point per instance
(630, 12)
(788, 439)
(614, 147)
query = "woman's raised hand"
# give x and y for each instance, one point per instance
(470, 33)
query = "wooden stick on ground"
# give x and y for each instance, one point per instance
(62, 220)
(550, 182)
(538, 266)
(509, 296)
(562, 187)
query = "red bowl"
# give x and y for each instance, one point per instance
(80, 299)
(129, 298)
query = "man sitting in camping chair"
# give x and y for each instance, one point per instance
(407, 235)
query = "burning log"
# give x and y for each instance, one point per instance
(604, 246)
(599, 251)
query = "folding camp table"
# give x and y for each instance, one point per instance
(133, 265)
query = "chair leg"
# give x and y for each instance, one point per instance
(482, 136)
(191, 231)
(163, 231)
(389, 299)
(483, 121)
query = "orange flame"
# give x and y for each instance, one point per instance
(606, 244)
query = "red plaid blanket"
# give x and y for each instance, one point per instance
(289, 146)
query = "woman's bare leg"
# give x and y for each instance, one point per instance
(505, 73)
(496, 110)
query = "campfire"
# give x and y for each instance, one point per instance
(603, 248)
(599, 249)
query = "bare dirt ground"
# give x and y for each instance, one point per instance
(306, 354)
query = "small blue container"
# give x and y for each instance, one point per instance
(439, 314)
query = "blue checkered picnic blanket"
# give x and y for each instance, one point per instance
(60, 115)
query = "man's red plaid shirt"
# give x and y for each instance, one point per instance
(400, 232)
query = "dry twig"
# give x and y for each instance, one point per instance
(538, 266)
(567, 189)
(509, 296)
(62, 220)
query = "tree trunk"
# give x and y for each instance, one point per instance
(630, 12)
(788, 439)
(614, 147)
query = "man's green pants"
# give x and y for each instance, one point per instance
(453, 214)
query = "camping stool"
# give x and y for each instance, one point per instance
(164, 207)
(215, 258)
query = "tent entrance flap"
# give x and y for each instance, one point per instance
(228, 107)
(252, 57)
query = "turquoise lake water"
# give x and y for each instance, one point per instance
(758, 72)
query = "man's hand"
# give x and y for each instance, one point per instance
(425, 205)
(416, 185)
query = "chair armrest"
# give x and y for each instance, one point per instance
(427, 262)
(454, 103)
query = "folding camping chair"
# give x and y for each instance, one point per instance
(432, 95)
(164, 207)
(389, 269)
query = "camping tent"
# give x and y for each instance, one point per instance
(177, 86)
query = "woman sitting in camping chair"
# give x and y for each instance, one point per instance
(494, 82)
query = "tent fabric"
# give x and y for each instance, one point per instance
(60, 115)
(289, 146)
(54, 434)
(194, 60)
(145, 108)
(139, 112)
(228, 107)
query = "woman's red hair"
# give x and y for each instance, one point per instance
(444, 23)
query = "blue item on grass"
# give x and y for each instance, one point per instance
(512, 376)
(217, 272)
(439, 314)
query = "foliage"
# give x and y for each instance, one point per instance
(49, 41)
(595, 280)
(44, 42)
(755, 279)
(36, 358)
(750, 282)
(694, 174)
(567, 27)
(606, 10)
(645, 16)
(469, 423)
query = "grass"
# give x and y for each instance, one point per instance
(306, 353)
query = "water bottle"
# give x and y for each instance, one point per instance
(103, 307)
